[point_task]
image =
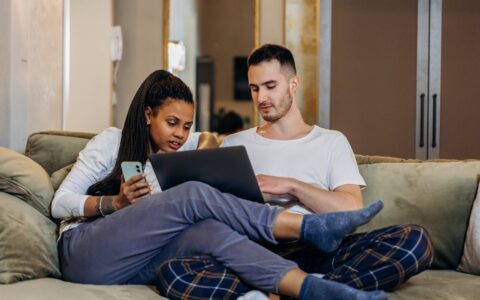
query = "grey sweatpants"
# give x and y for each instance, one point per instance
(191, 219)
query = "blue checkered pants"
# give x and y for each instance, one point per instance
(381, 259)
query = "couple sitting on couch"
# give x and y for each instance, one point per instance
(117, 232)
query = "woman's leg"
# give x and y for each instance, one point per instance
(113, 249)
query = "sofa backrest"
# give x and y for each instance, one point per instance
(54, 150)
(437, 195)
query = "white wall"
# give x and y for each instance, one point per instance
(184, 27)
(36, 68)
(5, 73)
(142, 26)
(87, 104)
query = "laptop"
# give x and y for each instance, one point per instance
(227, 169)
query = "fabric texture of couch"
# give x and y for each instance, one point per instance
(437, 195)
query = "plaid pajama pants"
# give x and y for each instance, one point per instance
(378, 260)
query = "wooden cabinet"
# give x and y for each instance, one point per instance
(404, 76)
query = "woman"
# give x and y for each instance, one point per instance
(122, 231)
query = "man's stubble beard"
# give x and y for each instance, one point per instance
(282, 109)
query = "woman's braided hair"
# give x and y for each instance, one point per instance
(155, 90)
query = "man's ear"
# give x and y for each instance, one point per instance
(294, 84)
(148, 114)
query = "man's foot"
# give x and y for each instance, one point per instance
(317, 288)
(326, 231)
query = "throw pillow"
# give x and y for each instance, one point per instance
(58, 176)
(28, 247)
(22, 177)
(470, 262)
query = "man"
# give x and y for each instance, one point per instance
(308, 169)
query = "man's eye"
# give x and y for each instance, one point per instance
(254, 89)
(271, 86)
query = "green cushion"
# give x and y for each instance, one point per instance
(59, 176)
(436, 195)
(22, 177)
(436, 284)
(28, 247)
(54, 150)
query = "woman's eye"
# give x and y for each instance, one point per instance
(171, 123)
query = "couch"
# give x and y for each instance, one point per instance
(437, 195)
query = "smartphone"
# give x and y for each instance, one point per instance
(131, 169)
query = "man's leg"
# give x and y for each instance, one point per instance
(381, 259)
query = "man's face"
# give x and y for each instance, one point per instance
(271, 89)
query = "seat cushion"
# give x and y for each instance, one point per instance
(28, 247)
(437, 196)
(55, 289)
(440, 285)
(24, 178)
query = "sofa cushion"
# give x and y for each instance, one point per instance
(54, 150)
(22, 177)
(54, 289)
(28, 247)
(59, 175)
(438, 284)
(470, 262)
(436, 195)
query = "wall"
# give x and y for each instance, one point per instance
(5, 73)
(184, 28)
(142, 27)
(36, 68)
(87, 87)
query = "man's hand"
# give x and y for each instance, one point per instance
(207, 140)
(275, 185)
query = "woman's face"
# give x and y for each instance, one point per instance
(170, 125)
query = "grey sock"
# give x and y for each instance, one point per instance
(317, 288)
(326, 231)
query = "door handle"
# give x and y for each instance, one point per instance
(434, 121)
(422, 112)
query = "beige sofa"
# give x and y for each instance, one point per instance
(437, 195)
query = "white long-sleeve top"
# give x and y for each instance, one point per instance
(94, 163)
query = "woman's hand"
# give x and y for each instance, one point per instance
(130, 191)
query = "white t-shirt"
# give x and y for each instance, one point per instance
(94, 163)
(323, 158)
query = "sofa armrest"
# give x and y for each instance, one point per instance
(54, 150)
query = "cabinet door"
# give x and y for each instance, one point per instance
(460, 80)
(373, 75)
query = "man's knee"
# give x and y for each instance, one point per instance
(420, 244)
(202, 278)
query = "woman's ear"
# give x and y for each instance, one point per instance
(148, 114)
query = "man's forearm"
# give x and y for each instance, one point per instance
(346, 197)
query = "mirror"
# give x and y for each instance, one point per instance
(216, 36)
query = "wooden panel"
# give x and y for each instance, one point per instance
(374, 46)
(460, 86)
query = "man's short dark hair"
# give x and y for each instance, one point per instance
(270, 52)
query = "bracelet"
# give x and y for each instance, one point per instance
(105, 208)
(100, 206)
